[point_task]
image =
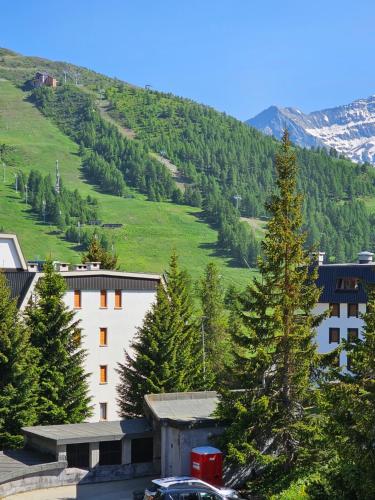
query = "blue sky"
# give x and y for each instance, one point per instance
(239, 56)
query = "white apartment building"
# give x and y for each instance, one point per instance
(110, 304)
(344, 294)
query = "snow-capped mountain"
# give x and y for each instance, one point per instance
(350, 129)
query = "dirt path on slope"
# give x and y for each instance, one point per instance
(104, 107)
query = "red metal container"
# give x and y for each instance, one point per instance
(207, 464)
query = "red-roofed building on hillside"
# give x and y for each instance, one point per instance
(41, 79)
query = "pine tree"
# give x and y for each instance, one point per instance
(214, 320)
(166, 354)
(350, 410)
(97, 253)
(274, 347)
(63, 387)
(18, 372)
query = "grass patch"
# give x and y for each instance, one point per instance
(151, 229)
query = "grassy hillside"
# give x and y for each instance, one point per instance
(151, 229)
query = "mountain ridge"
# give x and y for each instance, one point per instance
(349, 129)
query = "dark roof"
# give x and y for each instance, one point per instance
(90, 432)
(19, 282)
(330, 273)
(105, 282)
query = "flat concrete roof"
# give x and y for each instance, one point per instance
(183, 407)
(90, 432)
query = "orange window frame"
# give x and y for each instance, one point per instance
(77, 299)
(118, 299)
(103, 299)
(103, 374)
(103, 336)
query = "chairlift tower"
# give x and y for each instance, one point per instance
(44, 210)
(238, 198)
(16, 182)
(26, 190)
(57, 184)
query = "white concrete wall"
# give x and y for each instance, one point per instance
(343, 323)
(176, 446)
(9, 258)
(121, 327)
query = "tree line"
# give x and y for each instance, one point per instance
(109, 160)
(42, 379)
(297, 424)
(225, 159)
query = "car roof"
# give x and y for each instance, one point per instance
(165, 482)
(189, 489)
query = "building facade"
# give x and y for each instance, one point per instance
(343, 299)
(110, 305)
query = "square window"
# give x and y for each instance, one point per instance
(352, 334)
(334, 310)
(334, 335)
(353, 310)
(103, 374)
(103, 337)
(103, 407)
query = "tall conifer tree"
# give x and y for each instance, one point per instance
(18, 372)
(214, 320)
(166, 355)
(274, 349)
(63, 386)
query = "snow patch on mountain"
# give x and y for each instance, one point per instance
(350, 129)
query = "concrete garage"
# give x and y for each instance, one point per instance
(79, 454)
(89, 445)
(181, 421)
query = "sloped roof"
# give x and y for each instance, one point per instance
(19, 283)
(328, 274)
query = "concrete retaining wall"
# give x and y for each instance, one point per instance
(55, 474)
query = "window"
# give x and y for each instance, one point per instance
(103, 298)
(103, 411)
(208, 495)
(334, 335)
(343, 284)
(118, 299)
(353, 310)
(103, 338)
(334, 310)
(103, 374)
(352, 334)
(189, 495)
(77, 299)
